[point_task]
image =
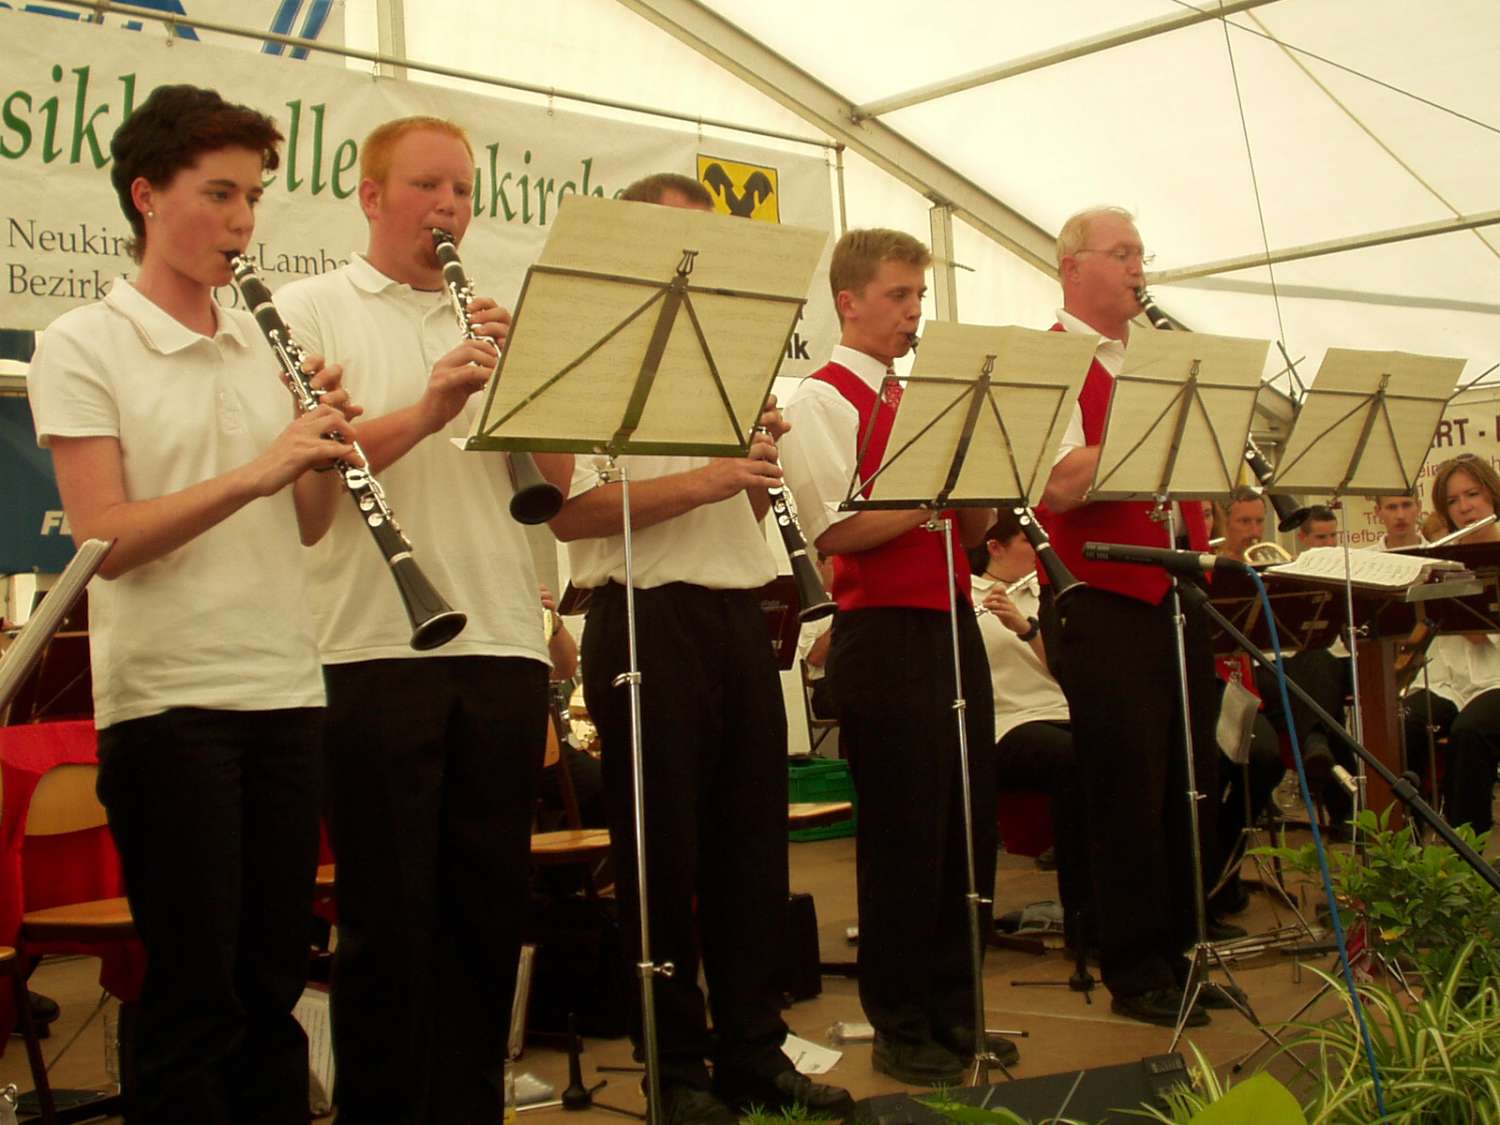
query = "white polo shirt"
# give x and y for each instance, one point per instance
(818, 454)
(453, 506)
(721, 546)
(223, 621)
(1025, 691)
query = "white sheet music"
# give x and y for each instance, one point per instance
(1378, 569)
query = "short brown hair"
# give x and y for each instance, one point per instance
(1004, 529)
(1477, 467)
(858, 256)
(375, 153)
(650, 189)
(170, 130)
(1243, 494)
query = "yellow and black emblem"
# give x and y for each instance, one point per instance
(747, 190)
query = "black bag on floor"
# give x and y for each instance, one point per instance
(579, 967)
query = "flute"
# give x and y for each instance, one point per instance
(433, 621)
(536, 499)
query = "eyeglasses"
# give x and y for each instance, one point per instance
(1123, 254)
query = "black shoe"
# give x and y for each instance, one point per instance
(782, 1091)
(960, 1040)
(1230, 899)
(1047, 861)
(1223, 931)
(927, 1063)
(688, 1105)
(1221, 997)
(44, 1009)
(1158, 1006)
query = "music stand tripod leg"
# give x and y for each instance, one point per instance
(646, 968)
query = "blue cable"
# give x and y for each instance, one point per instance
(1307, 801)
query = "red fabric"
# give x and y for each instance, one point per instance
(1113, 521)
(909, 569)
(1025, 818)
(56, 870)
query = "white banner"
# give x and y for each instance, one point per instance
(68, 85)
(322, 20)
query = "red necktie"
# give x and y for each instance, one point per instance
(890, 390)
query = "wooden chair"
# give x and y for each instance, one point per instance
(818, 730)
(64, 802)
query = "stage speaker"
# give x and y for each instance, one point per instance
(1105, 1094)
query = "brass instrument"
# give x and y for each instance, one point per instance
(536, 499)
(433, 621)
(1261, 554)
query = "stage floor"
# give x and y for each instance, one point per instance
(1064, 1031)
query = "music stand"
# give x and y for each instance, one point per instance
(953, 445)
(24, 652)
(1179, 418)
(646, 329)
(1366, 424)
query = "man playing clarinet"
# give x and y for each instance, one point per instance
(1111, 644)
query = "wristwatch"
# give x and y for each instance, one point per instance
(1030, 634)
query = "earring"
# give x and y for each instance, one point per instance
(150, 214)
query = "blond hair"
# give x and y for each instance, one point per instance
(375, 153)
(1075, 232)
(858, 255)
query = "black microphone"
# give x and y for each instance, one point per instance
(1188, 563)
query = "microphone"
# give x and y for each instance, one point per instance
(1189, 563)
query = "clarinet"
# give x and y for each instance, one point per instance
(1058, 574)
(1288, 515)
(433, 621)
(536, 499)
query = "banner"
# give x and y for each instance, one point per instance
(322, 20)
(68, 85)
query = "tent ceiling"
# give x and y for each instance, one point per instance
(1160, 125)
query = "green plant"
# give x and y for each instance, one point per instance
(1439, 1058)
(1209, 1101)
(1423, 902)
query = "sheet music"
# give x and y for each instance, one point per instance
(1376, 569)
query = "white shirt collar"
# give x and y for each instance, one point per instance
(158, 329)
(867, 367)
(1110, 352)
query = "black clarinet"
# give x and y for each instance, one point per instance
(1289, 517)
(816, 604)
(536, 499)
(433, 621)
(1061, 578)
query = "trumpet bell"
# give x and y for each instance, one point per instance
(1262, 554)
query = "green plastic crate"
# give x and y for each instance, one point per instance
(815, 781)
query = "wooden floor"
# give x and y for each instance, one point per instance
(1063, 1030)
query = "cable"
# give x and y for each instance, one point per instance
(1322, 853)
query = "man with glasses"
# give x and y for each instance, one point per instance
(1113, 649)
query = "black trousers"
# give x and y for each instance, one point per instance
(432, 768)
(892, 671)
(1473, 751)
(1115, 658)
(714, 759)
(1257, 778)
(1039, 756)
(215, 814)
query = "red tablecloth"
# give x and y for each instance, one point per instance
(56, 870)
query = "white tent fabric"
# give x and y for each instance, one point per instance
(1171, 127)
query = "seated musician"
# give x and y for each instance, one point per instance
(1033, 736)
(813, 643)
(1244, 522)
(1399, 516)
(1463, 676)
(583, 768)
(1320, 529)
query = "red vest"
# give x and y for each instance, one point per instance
(1114, 521)
(909, 569)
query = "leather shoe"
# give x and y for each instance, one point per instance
(688, 1105)
(924, 1063)
(960, 1040)
(782, 1091)
(1221, 997)
(1215, 930)
(1158, 1006)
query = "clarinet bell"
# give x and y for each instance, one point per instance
(433, 621)
(537, 499)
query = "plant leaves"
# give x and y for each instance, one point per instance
(1259, 1099)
